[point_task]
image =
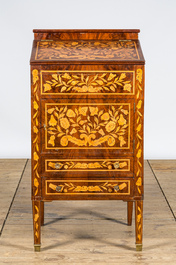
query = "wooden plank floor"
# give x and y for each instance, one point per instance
(81, 232)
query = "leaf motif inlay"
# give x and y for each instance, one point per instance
(106, 187)
(35, 144)
(88, 83)
(90, 50)
(74, 165)
(88, 125)
(36, 220)
(139, 74)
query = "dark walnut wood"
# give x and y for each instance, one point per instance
(87, 106)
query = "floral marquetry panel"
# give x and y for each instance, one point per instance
(87, 50)
(78, 125)
(87, 82)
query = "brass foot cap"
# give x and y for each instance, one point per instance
(138, 247)
(37, 248)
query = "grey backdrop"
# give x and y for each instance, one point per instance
(155, 18)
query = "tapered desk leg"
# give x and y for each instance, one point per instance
(129, 212)
(36, 206)
(139, 224)
(42, 213)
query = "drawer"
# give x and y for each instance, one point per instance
(55, 188)
(120, 165)
(62, 82)
(96, 124)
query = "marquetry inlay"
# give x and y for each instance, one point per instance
(87, 165)
(87, 82)
(58, 187)
(86, 50)
(87, 113)
(78, 125)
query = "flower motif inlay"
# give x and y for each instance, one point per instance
(87, 82)
(89, 50)
(87, 125)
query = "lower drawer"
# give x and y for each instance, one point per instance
(55, 188)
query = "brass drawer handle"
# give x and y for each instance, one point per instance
(58, 188)
(57, 166)
(116, 187)
(120, 187)
(116, 165)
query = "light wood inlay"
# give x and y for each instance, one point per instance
(112, 125)
(87, 82)
(93, 50)
(73, 187)
(87, 165)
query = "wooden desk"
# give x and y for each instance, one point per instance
(87, 101)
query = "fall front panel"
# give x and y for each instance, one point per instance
(73, 125)
(54, 51)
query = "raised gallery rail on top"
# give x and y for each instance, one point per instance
(86, 34)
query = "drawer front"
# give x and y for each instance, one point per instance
(87, 125)
(55, 165)
(57, 188)
(62, 168)
(64, 82)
